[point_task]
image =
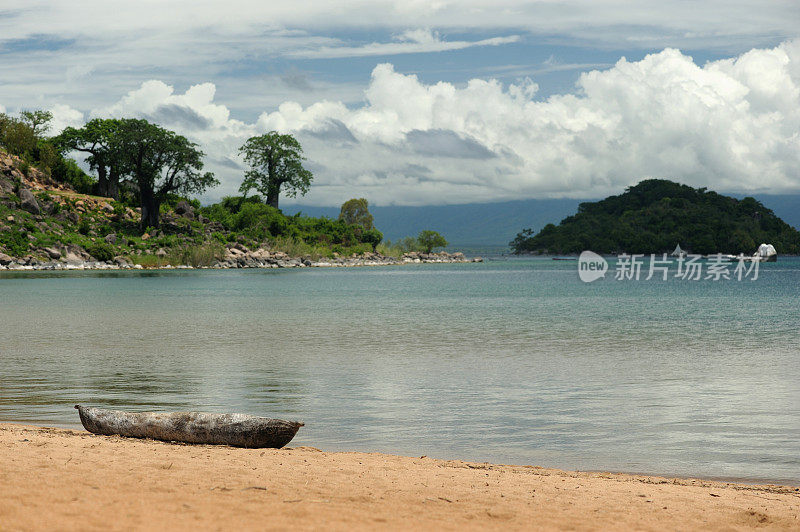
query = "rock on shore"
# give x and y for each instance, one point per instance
(236, 256)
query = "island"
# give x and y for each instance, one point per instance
(656, 216)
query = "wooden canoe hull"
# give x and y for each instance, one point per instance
(238, 430)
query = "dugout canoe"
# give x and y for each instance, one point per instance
(238, 430)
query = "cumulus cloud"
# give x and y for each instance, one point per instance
(65, 116)
(732, 125)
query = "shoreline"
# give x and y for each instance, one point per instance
(742, 481)
(68, 479)
(241, 258)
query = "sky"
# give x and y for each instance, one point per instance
(435, 102)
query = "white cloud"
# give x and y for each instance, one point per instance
(609, 22)
(409, 42)
(731, 125)
(80, 53)
(65, 116)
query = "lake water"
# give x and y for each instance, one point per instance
(512, 360)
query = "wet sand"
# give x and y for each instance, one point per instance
(72, 480)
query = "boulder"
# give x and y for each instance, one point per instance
(5, 260)
(28, 201)
(53, 253)
(161, 253)
(75, 255)
(6, 186)
(183, 208)
(111, 238)
(73, 258)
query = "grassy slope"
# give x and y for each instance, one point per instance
(81, 224)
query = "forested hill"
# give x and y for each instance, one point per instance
(655, 215)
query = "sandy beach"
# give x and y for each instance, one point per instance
(73, 480)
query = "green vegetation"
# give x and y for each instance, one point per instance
(251, 220)
(655, 215)
(276, 162)
(155, 161)
(431, 239)
(23, 137)
(141, 212)
(96, 138)
(356, 212)
(425, 242)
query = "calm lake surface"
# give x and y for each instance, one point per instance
(512, 360)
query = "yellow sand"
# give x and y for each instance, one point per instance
(53, 479)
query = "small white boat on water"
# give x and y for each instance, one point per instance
(765, 253)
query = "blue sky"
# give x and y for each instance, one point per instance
(426, 103)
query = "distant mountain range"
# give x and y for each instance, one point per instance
(494, 225)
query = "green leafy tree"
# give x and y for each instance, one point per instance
(38, 120)
(99, 139)
(431, 239)
(160, 162)
(22, 136)
(276, 162)
(356, 212)
(17, 137)
(5, 120)
(372, 237)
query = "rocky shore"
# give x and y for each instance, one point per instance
(236, 256)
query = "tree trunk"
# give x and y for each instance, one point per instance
(113, 184)
(102, 181)
(150, 205)
(272, 195)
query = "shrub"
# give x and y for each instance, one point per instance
(372, 237)
(67, 171)
(198, 256)
(101, 251)
(14, 242)
(84, 227)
